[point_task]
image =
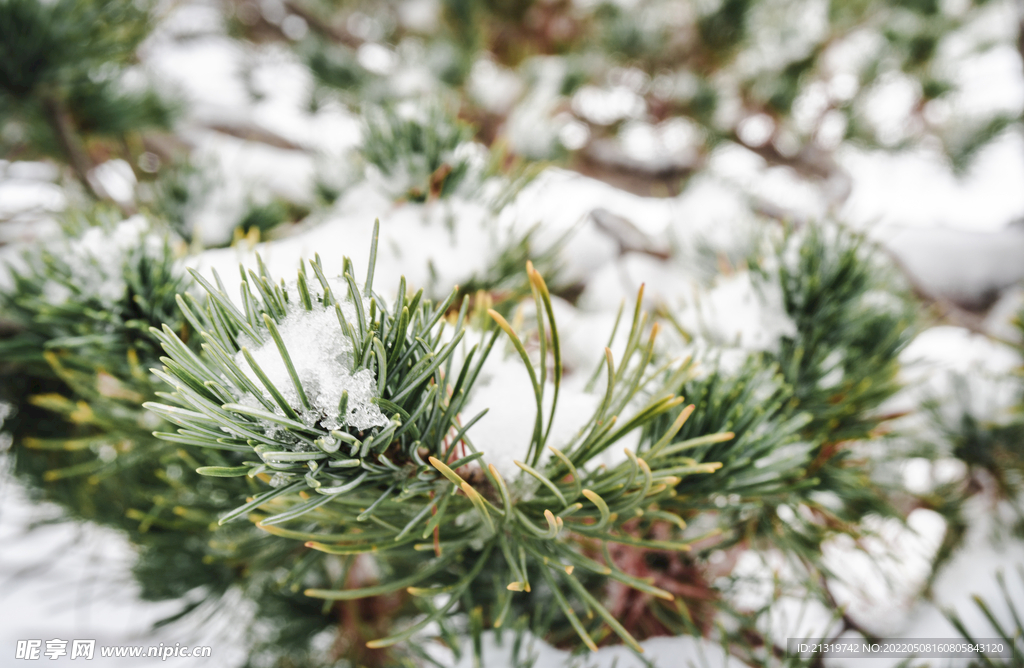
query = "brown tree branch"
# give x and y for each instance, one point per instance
(70, 143)
(60, 120)
(254, 133)
(322, 27)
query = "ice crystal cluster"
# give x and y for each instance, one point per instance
(322, 357)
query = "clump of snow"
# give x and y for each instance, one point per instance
(922, 476)
(941, 362)
(736, 312)
(605, 106)
(894, 191)
(494, 87)
(881, 576)
(116, 179)
(6, 439)
(322, 357)
(1002, 320)
(798, 617)
(434, 245)
(95, 262)
(562, 199)
(971, 572)
(584, 335)
(504, 433)
(531, 130)
(28, 198)
(710, 221)
(758, 574)
(968, 267)
(877, 579)
(499, 651)
(244, 173)
(622, 278)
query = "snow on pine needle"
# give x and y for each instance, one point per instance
(323, 358)
(95, 291)
(382, 487)
(333, 392)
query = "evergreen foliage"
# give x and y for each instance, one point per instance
(76, 371)
(419, 151)
(62, 66)
(402, 475)
(95, 295)
(396, 474)
(853, 317)
(1012, 634)
(714, 66)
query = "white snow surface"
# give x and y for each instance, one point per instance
(259, 92)
(1000, 322)
(970, 572)
(85, 590)
(737, 312)
(245, 173)
(504, 433)
(962, 265)
(940, 357)
(322, 358)
(879, 581)
(681, 652)
(416, 241)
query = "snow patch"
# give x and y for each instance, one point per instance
(504, 433)
(322, 357)
(736, 312)
(95, 262)
(883, 574)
